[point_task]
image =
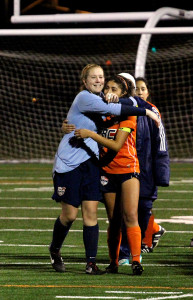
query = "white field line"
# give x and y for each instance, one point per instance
(25, 198)
(71, 230)
(114, 297)
(26, 183)
(22, 180)
(175, 179)
(48, 199)
(175, 191)
(30, 208)
(181, 181)
(92, 297)
(50, 208)
(35, 218)
(26, 178)
(130, 292)
(173, 220)
(83, 263)
(41, 246)
(50, 189)
(169, 297)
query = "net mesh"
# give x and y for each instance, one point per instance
(39, 78)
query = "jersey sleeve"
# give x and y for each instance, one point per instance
(161, 160)
(88, 102)
(129, 123)
(91, 103)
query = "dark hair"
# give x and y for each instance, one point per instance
(147, 85)
(125, 85)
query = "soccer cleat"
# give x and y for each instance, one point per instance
(137, 268)
(156, 237)
(57, 261)
(92, 269)
(191, 243)
(146, 249)
(112, 268)
(124, 262)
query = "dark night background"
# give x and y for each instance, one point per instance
(6, 8)
(47, 69)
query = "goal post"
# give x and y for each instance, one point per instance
(39, 77)
(145, 38)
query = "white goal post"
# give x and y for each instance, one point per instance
(145, 38)
(40, 76)
(146, 32)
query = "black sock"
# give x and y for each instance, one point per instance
(90, 238)
(59, 233)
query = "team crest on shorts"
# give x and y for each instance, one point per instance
(104, 180)
(61, 191)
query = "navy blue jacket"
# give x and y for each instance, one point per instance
(152, 151)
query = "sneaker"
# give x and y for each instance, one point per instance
(57, 261)
(137, 268)
(112, 268)
(156, 237)
(92, 269)
(146, 249)
(124, 262)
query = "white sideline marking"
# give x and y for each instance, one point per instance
(170, 297)
(25, 183)
(36, 182)
(175, 180)
(42, 246)
(43, 230)
(100, 208)
(114, 297)
(83, 263)
(49, 189)
(71, 230)
(25, 198)
(26, 178)
(30, 208)
(174, 200)
(129, 292)
(92, 297)
(189, 180)
(33, 218)
(174, 191)
(173, 219)
(36, 198)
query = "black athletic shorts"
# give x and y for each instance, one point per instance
(111, 183)
(82, 183)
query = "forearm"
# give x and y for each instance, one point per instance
(132, 110)
(110, 144)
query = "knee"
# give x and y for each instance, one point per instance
(131, 217)
(67, 219)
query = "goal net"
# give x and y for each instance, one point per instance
(39, 77)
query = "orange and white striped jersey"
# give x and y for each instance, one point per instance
(126, 160)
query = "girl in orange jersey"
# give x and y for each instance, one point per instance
(119, 179)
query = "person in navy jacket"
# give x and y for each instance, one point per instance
(153, 155)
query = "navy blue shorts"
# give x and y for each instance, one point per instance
(111, 183)
(82, 183)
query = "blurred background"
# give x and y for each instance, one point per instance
(70, 6)
(40, 74)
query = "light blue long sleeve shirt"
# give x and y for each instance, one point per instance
(68, 157)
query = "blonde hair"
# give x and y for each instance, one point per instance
(85, 73)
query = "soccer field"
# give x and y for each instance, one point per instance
(26, 221)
